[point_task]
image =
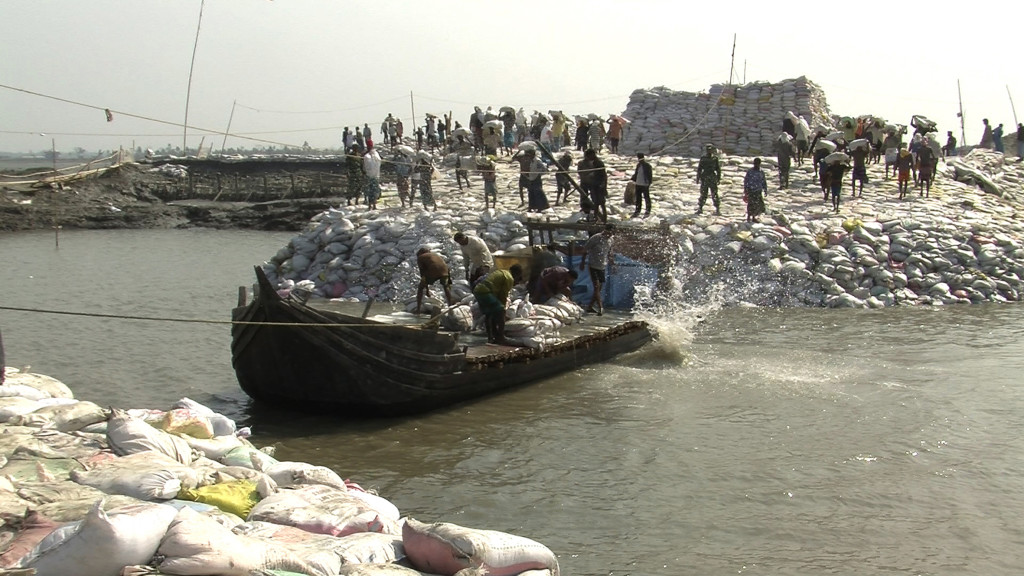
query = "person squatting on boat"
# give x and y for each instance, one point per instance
(491, 295)
(553, 281)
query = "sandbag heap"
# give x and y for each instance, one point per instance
(959, 244)
(962, 243)
(352, 254)
(526, 324)
(738, 119)
(108, 492)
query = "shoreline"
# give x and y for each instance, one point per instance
(961, 244)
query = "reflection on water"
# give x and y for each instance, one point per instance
(745, 440)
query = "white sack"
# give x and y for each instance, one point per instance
(222, 425)
(322, 510)
(144, 475)
(69, 417)
(128, 435)
(197, 545)
(444, 548)
(103, 542)
(288, 474)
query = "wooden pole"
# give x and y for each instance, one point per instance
(188, 92)
(219, 189)
(732, 59)
(228, 129)
(1014, 110)
(551, 157)
(963, 131)
(412, 104)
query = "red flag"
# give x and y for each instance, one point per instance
(110, 115)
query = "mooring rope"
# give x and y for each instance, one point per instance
(196, 320)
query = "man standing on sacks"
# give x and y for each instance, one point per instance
(709, 173)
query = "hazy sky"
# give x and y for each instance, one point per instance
(300, 70)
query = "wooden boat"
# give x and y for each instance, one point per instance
(289, 353)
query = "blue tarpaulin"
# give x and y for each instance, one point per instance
(617, 291)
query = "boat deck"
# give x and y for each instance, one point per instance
(475, 343)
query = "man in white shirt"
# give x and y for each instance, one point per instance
(476, 256)
(371, 168)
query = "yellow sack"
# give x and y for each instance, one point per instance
(184, 421)
(743, 235)
(851, 224)
(236, 497)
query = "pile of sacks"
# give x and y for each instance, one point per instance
(96, 492)
(349, 254)
(957, 246)
(526, 324)
(963, 243)
(738, 119)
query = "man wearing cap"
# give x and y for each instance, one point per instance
(709, 173)
(642, 177)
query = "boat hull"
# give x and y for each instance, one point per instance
(288, 354)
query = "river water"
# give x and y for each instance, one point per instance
(745, 441)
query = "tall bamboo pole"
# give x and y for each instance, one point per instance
(188, 92)
(732, 59)
(963, 132)
(412, 104)
(1014, 110)
(228, 129)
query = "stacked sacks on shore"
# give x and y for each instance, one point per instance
(122, 496)
(854, 262)
(959, 245)
(739, 119)
(990, 171)
(802, 255)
